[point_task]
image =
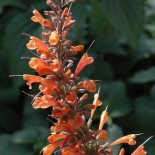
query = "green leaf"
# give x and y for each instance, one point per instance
(126, 18)
(147, 75)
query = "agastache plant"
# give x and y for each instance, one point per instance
(60, 88)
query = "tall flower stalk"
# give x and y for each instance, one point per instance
(60, 88)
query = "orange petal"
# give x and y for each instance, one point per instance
(139, 151)
(45, 101)
(62, 127)
(122, 151)
(49, 87)
(71, 98)
(84, 97)
(129, 139)
(77, 122)
(102, 135)
(64, 34)
(43, 67)
(54, 38)
(31, 79)
(96, 103)
(65, 11)
(73, 150)
(46, 22)
(40, 66)
(103, 119)
(78, 48)
(37, 17)
(67, 21)
(56, 137)
(85, 60)
(48, 150)
(36, 43)
(60, 113)
(89, 85)
(68, 74)
(47, 54)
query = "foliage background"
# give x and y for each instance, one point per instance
(124, 52)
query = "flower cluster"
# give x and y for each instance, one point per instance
(60, 88)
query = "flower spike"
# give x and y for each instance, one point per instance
(61, 90)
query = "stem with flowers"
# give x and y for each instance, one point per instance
(60, 88)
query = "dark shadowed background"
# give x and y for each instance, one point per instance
(124, 53)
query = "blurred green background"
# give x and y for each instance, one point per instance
(124, 52)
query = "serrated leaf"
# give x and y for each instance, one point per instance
(147, 75)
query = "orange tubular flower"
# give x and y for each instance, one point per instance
(32, 79)
(139, 151)
(46, 22)
(129, 139)
(41, 47)
(36, 43)
(54, 38)
(48, 150)
(102, 135)
(56, 137)
(71, 98)
(89, 85)
(96, 103)
(104, 119)
(61, 113)
(85, 60)
(49, 87)
(37, 17)
(45, 101)
(40, 66)
(44, 68)
(78, 48)
(64, 12)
